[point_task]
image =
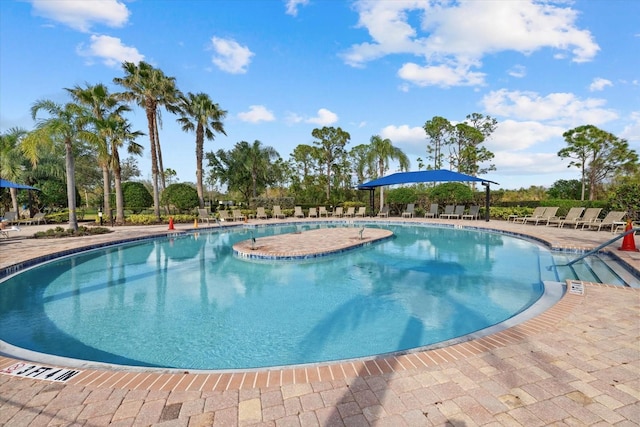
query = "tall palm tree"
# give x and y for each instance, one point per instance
(101, 103)
(117, 131)
(381, 152)
(200, 114)
(67, 125)
(258, 162)
(11, 159)
(150, 88)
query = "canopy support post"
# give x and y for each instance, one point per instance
(372, 197)
(487, 197)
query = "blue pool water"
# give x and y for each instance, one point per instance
(188, 303)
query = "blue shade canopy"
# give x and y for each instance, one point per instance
(9, 184)
(440, 175)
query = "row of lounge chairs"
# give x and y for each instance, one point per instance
(576, 217)
(450, 212)
(12, 218)
(236, 214)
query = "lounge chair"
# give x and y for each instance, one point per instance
(223, 215)
(322, 211)
(351, 212)
(260, 213)
(203, 215)
(448, 210)
(572, 216)
(298, 212)
(362, 211)
(611, 220)
(537, 213)
(39, 217)
(433, 211)
(4, 232)
(409, 212)
(590, 215)
(313, 213)
(237, 215)
(10, 218)
(277, 213)
(384, 212)
(473, 213)
(456, 214)
(338, 212)
(549, 212)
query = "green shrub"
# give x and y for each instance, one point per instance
(59, 232)
(136, 196)
(183, 196)
(451, 193)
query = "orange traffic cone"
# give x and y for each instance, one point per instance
(628, 241)
(171, 223)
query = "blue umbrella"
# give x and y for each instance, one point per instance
(9, 184)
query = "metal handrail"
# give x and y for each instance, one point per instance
(593, 251)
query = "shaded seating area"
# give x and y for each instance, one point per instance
(384, 212)
(453, 212)
(448, 211)
(572, 216)
(408, 213)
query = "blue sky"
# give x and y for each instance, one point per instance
(284, 67)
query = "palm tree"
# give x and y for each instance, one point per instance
(101, 103)
(204, 116)
(150, 88)
(11, 159)
(117, 131)
(381, 151)
(258, 162)
(66, 125)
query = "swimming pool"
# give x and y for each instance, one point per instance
(186, 302)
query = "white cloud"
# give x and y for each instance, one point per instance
(515, 136)
(404, 133)
(110, 51)
(440, 75)
(292, 6)
(556, 108)
(256, 114)
(599, 84)
(324, 118)
(81, 15)
(517, 71)
(230, 56)
(631, 132)
(508, 162)
(455, 36)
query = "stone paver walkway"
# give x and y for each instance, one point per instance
(576, 364)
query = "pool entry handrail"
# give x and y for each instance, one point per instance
(594, 250)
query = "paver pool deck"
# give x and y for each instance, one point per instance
(578, 363)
